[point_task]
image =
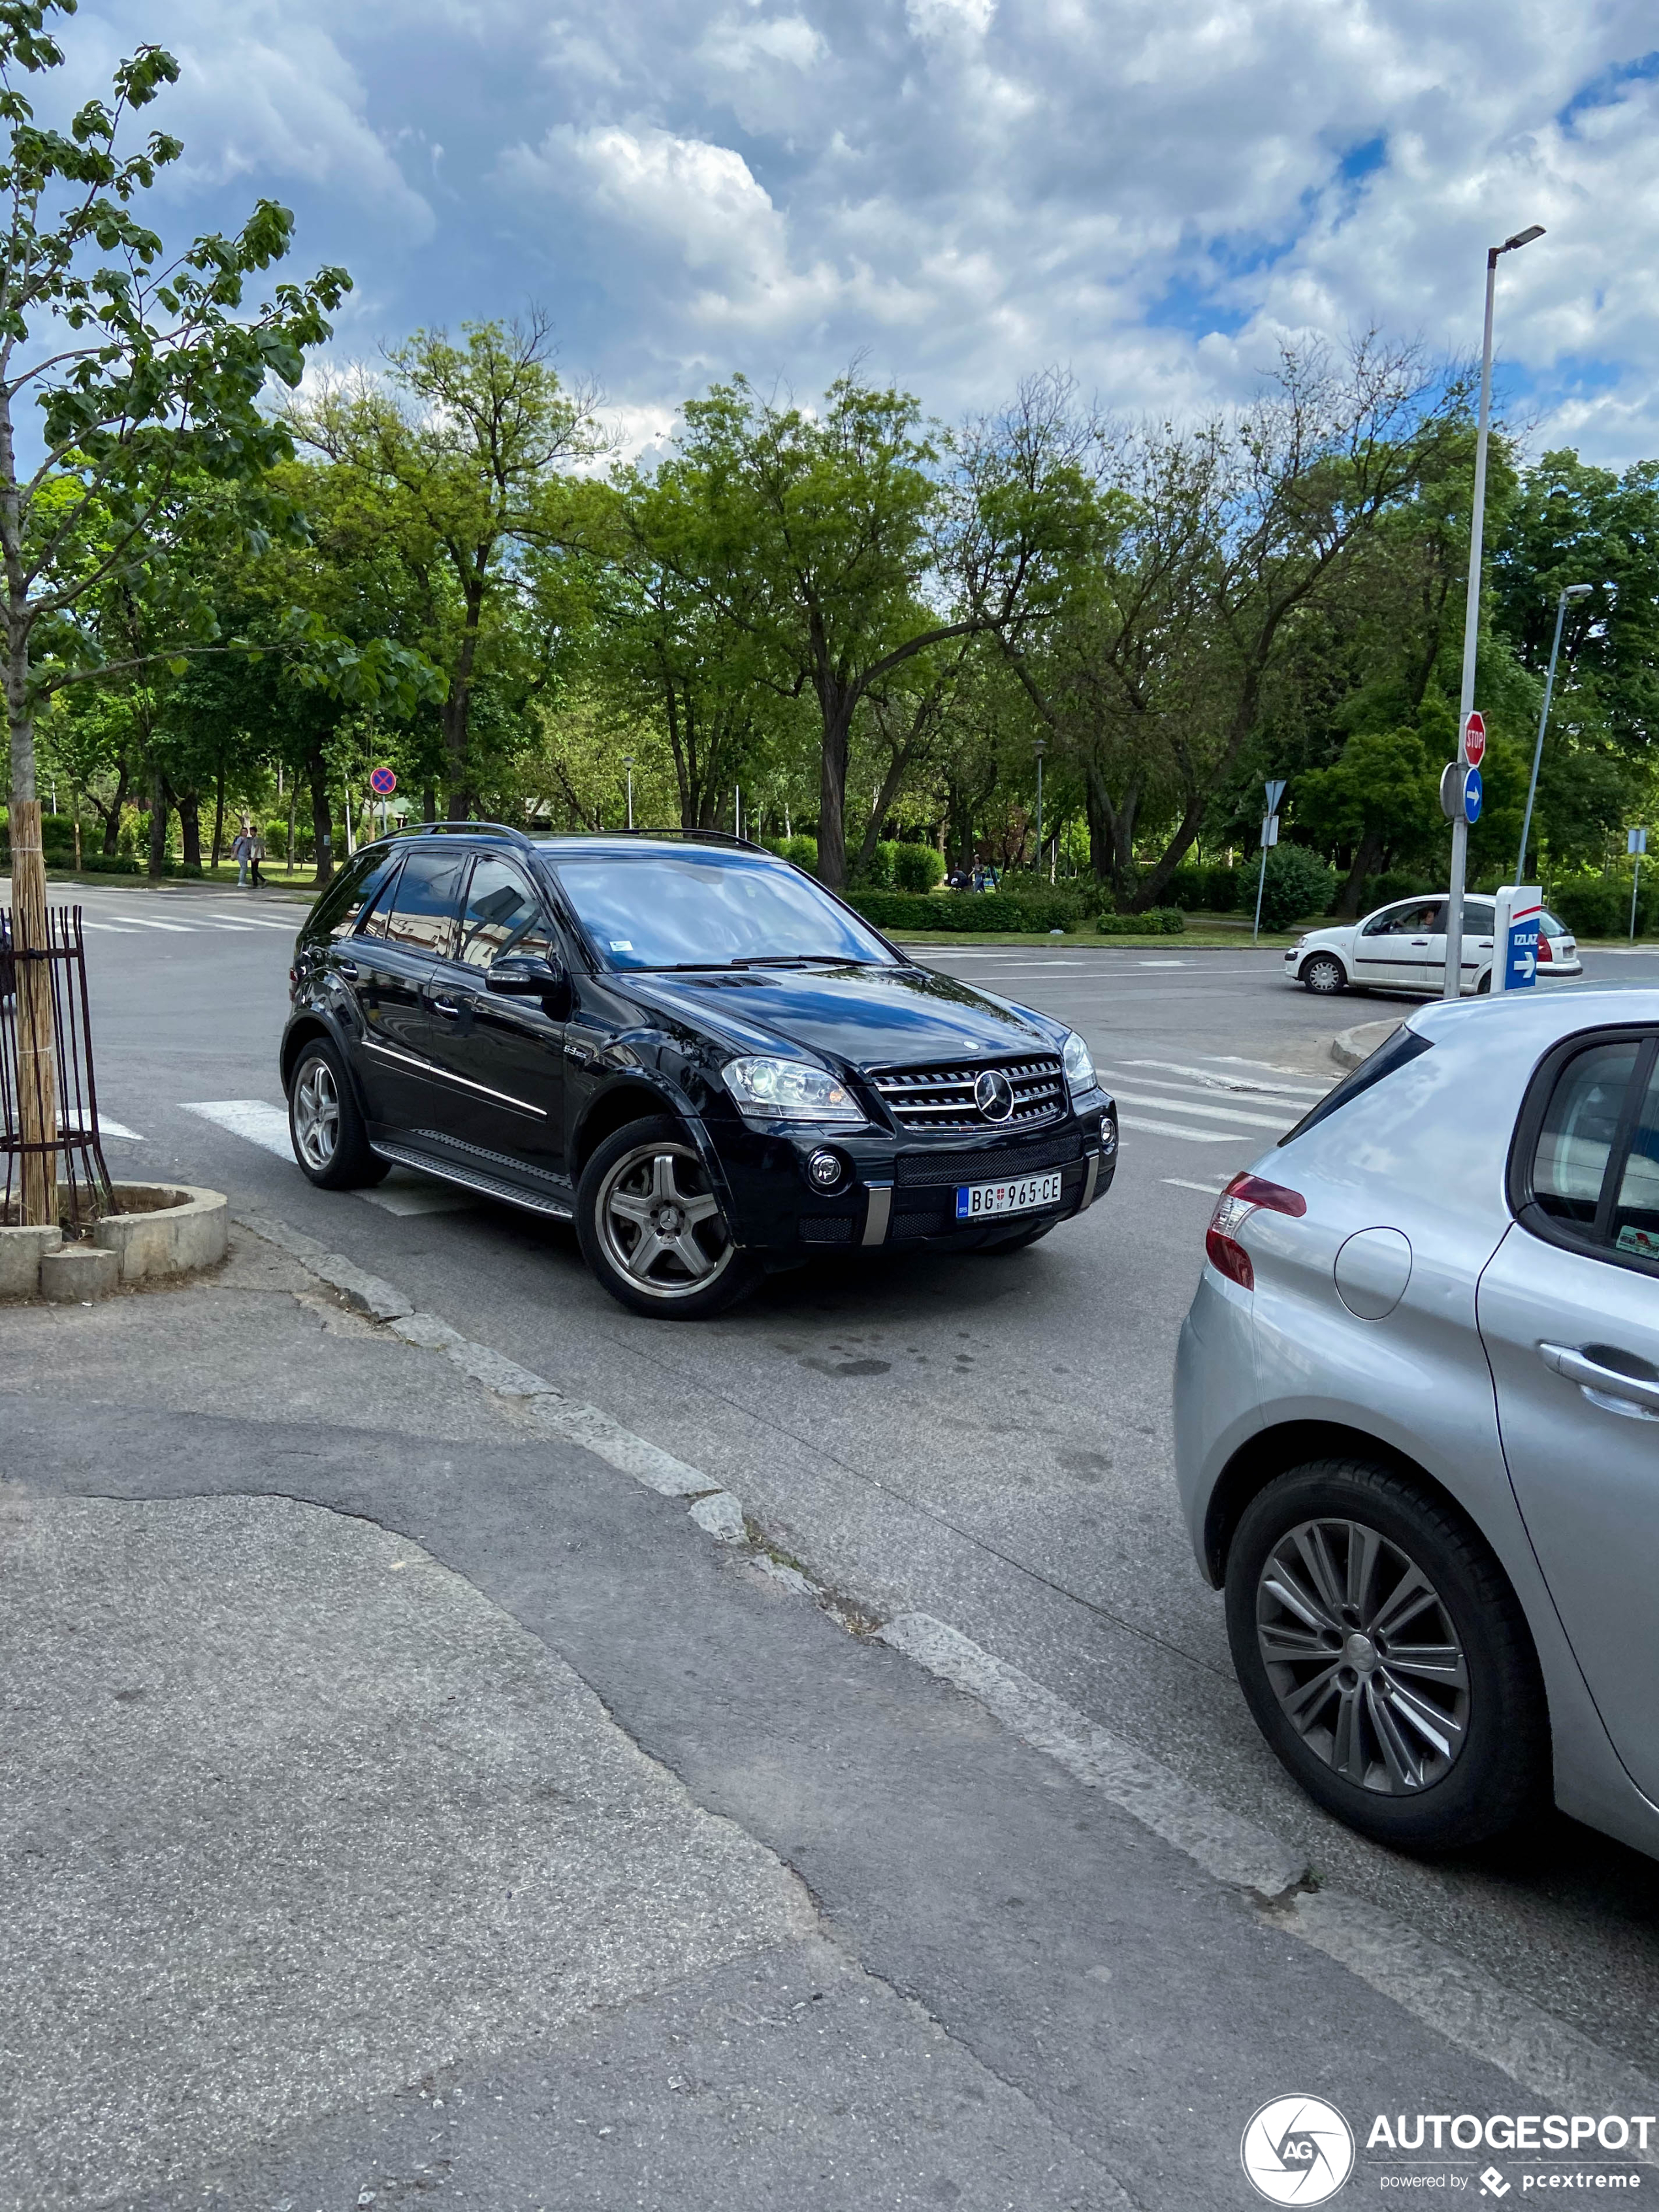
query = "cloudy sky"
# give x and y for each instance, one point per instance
(1146, 191)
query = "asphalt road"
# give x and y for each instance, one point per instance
(986, 1440)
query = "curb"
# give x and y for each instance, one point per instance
(1350, 1046)
(1475, 2012)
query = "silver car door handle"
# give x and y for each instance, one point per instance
(1590, 1375)
(349, 968)
(445, 1006)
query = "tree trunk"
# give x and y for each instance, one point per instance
(219, 812)
(190, 827)
(456, 712)
(884, 798)
(117, 809)
(1367, 859)
(161, 807)
(428, 802)
(322, 818)
(832, 795)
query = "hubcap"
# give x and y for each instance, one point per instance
(316, 1114)
(661, 1223)
(1363, 1657)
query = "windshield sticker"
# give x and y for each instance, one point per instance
(1643, 1241)
(622, 944)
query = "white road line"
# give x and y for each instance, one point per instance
(1161, 964)
(1214, 1188)
(178, 929)
(1270, 1066)
(248, 922)
(1193, 1136)
(106, 1129)
(264, 1125)
(1162, 1103)
(107, 926)
(1310, 1091)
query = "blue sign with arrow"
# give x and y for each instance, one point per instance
(1474, 790)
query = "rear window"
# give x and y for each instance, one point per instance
(1551, 926)
(1398, 1051)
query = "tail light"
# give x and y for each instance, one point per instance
(1244, 1195)
(1544, 952)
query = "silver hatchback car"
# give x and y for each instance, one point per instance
(1416, 1425)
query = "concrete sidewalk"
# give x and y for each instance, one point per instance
(394, 1800)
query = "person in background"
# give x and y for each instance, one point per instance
(241, 845)
(256, 853)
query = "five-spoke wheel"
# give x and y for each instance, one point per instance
(329, 1138)
(652, 1226)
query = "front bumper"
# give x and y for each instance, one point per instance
(899, 1192)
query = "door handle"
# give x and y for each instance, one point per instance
(1600, 1383)
(349, 968)
(445, 1006)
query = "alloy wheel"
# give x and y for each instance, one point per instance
(317, 1114)
(1364, 1657)
(659, 1223)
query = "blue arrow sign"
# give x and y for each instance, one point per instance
(1473, 792)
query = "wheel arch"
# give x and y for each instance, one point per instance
(305, 1029)
(631, 1100)
(1293, 1443)
(1326, 952)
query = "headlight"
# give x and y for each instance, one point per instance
(789, 1091)
(1079, 1068)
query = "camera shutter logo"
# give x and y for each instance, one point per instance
(1297, 2150)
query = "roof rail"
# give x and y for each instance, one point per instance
(691, 837)
(470, 828)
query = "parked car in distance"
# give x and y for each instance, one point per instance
(1417, 1422)
(684, 1044)
(1403, 947)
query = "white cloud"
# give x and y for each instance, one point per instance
(1147, 191)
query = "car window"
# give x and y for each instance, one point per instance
(1392, 1054)
(1479, 918)
(1580, 1129)
(502, 915)
(1550, 928)
(1383, 924)
(656, 909)
(423, 916)
(352, 890)
(371, 921)
(1635, 1223)
(1421, 919)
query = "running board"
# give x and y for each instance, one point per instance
(487, 1186)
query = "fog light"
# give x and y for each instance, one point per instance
(1107, 1135)
(823, 1170)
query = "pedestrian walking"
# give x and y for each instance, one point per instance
(256, 853)
(241, 846)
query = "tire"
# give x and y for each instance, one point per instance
(1477, 1762)
(647, 1182)
(1323, 974)
(1018, 1242)
(1484, 986)
(330, 1147)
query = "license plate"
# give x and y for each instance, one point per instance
(975, 1201)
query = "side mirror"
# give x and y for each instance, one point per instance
(523, 976)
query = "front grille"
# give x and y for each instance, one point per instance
(916, 1169)
(943, 1098)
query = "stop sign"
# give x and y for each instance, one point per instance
(1474, 740)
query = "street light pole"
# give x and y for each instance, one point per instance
(1040, 748)
(1453, 982)
(1573, 592)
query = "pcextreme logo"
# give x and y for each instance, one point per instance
(1297, 2150)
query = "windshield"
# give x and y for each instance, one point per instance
(665, 909)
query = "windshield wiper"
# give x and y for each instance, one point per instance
(803, 960)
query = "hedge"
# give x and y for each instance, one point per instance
(1599, 906)
(1156, 921)
(956, 912)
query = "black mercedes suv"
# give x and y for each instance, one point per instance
(689, 1047)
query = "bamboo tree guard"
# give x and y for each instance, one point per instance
(48, 1090)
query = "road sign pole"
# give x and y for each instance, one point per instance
(1453, 986)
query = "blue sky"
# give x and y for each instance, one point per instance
(1151, 193)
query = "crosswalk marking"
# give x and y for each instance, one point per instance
(109, 925)
(1162, 1103)
(256, 921)
(142, 921)
(261, 1124)
(1170, 1129)
(1298, 1090)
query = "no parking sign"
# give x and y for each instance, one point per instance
(382, 781)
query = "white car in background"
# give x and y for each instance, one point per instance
(1403, 947)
